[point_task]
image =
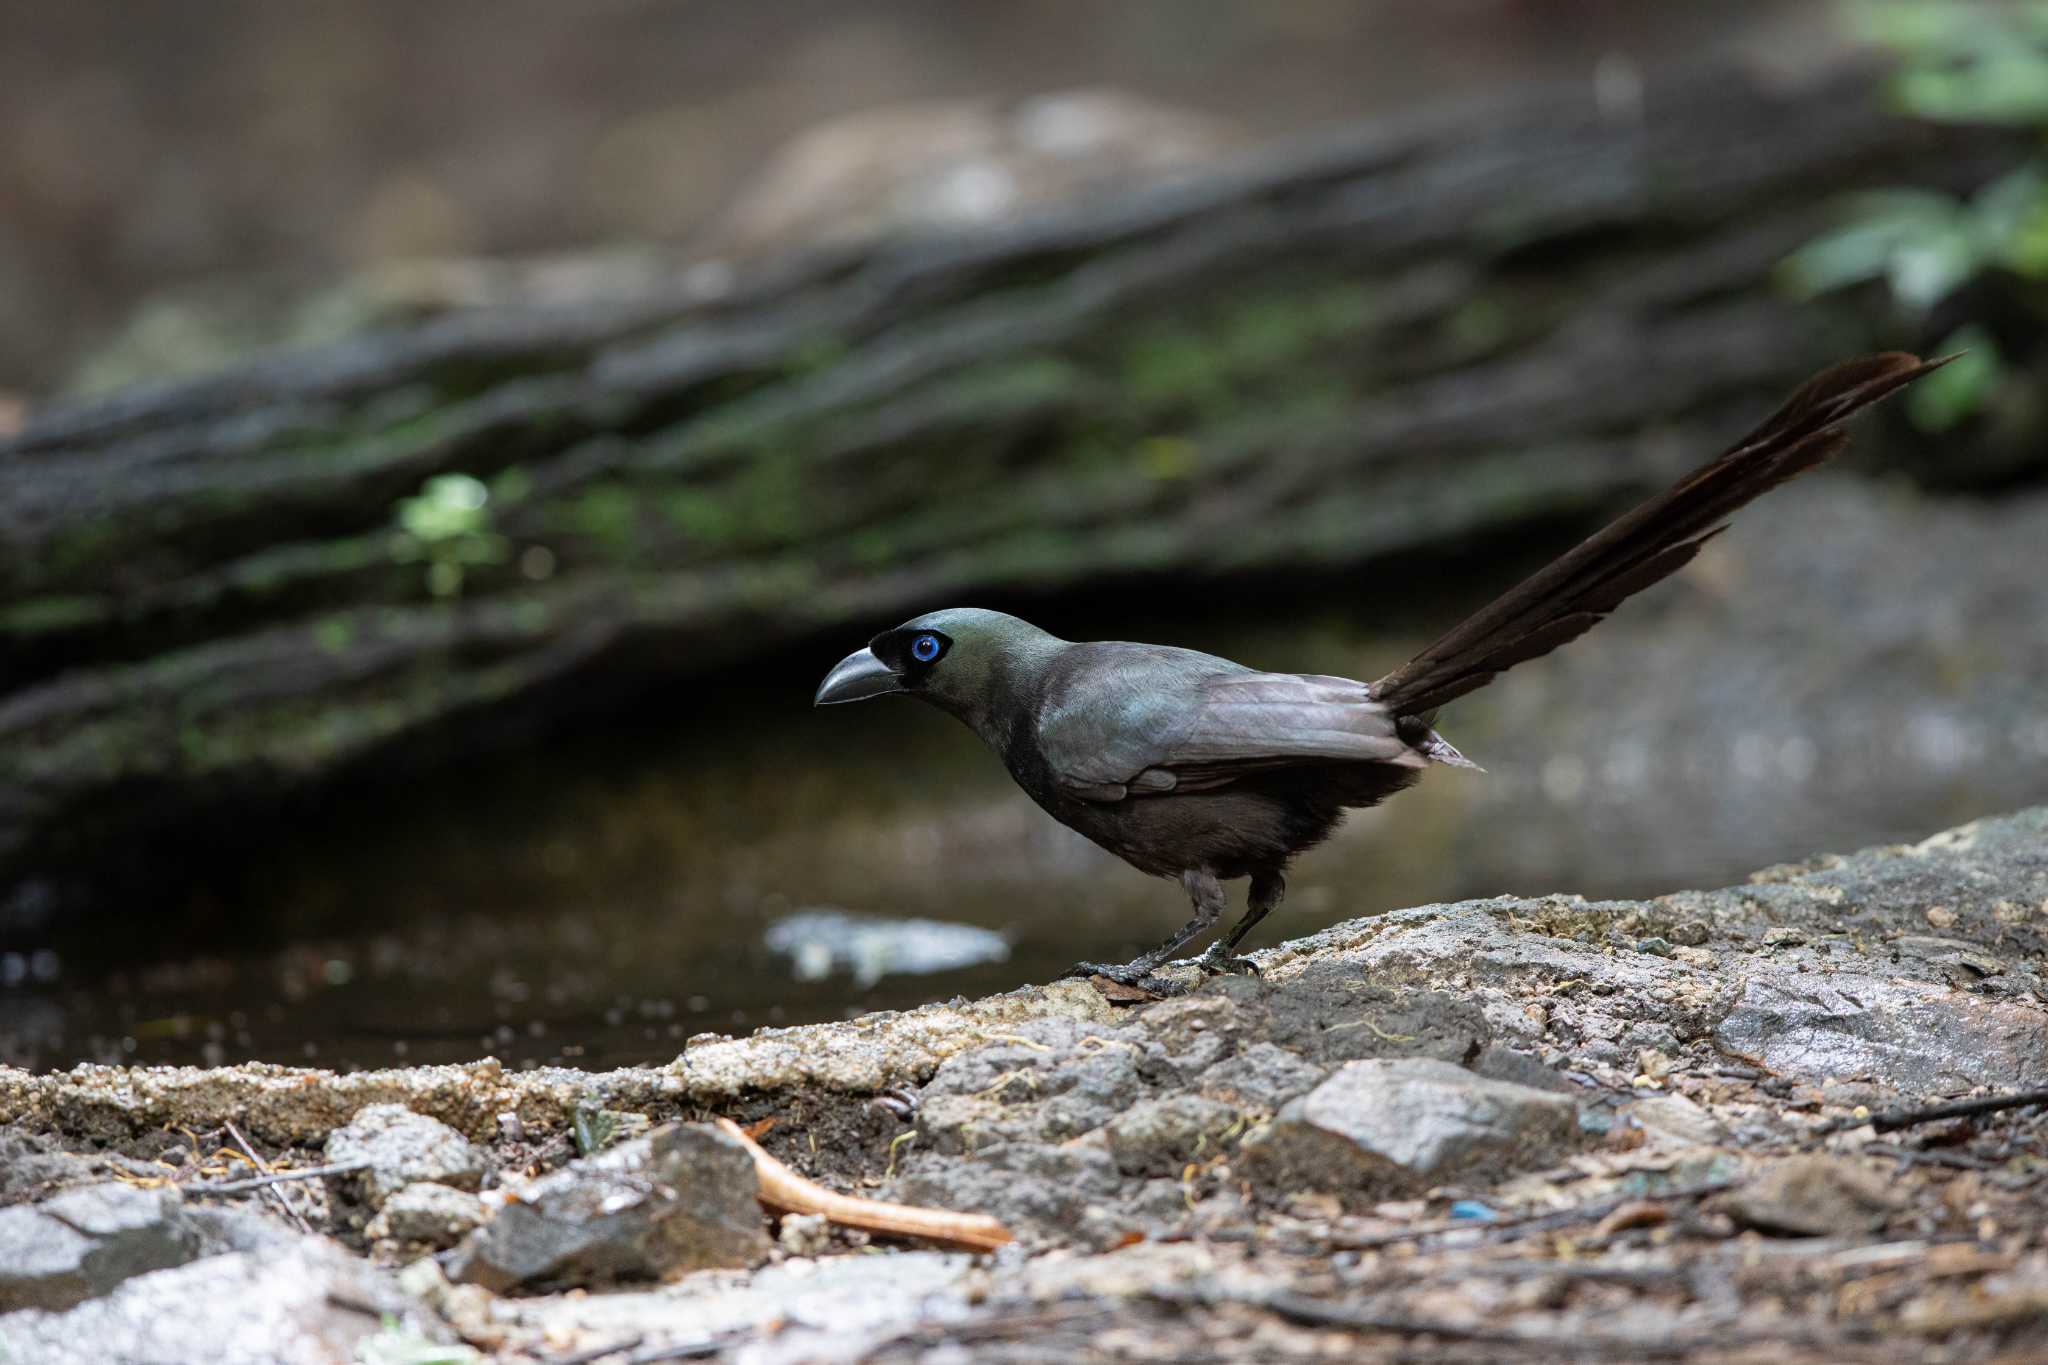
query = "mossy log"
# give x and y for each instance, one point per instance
(1395, 338)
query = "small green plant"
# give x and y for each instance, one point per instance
(447, 527)
(1959, 63)
(594, 1128)
(397, 1344)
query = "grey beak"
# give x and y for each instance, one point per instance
(856, 677)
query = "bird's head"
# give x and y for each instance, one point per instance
(964, 660)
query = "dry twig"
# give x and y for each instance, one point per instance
(1896, 1119)
(787, 1192)
(257, 1182)
(272, 1190)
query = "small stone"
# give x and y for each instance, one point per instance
(1399, 1126)
(402, 1148)
(427, 1214)
(1690, 934)
(1262, 1077)
(1674, 1120)
(1813, 1196)
(1783, 936)
(681, 1198)
(1941, 917)
(1655, 947)
(1653, 1064)
(1161, 1136)
(805, 1234)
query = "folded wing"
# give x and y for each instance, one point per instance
(1156, 721)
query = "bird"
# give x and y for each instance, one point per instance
(1190, 766)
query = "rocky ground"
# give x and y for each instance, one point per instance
(1767, 1122)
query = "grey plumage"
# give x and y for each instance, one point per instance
(1188, 765)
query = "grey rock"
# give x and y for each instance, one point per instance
(1676, 1121)
(681, 1198)
(1262, 1077)
(1161, 1136)
(1912, 1037)
(427, 1214)
(28, 1164)
(82, 1243)
(1060, 1080)
(237, 1227)
(1813, 1196)
(1650, 1034)
(1947, 952)
(1328, 1012)
(1500, 1063)
(309, 1301)
(1046, 1193)
(1384, 1127)
(401, 1148)
(1849, 1094)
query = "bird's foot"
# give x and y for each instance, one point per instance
(1137, 976)
(1218, 962)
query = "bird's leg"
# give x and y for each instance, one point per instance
(1209, 900)
(1267, 890)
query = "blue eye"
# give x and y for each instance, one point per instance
(925, 648)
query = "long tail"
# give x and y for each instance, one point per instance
(1561, 601)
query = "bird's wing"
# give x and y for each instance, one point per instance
(1152, 720)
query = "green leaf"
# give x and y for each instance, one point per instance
(594, 1128)
(2012, 219)
(1919, 235)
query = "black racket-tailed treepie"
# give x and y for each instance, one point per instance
(1191, 766)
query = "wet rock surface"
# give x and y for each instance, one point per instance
(683, 1198)
(1525, 1125)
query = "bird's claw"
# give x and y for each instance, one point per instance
(1137, 976)
(1218, 962)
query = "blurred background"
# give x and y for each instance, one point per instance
(442, 446)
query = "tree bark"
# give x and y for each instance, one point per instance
(1395, 338)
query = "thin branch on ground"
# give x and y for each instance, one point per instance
(257, 1182)
(597, 1353)
(787, 1192)
(273, 1191)
(1896, 1119)
(1956, 1161)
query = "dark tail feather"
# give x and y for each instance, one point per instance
(1562, 600)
